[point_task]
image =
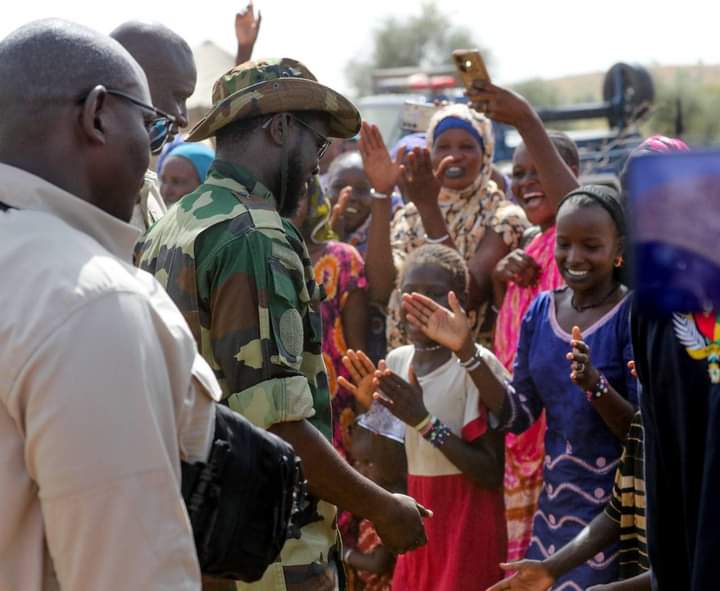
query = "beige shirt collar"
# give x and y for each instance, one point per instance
(23, 190)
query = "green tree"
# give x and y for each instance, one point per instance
(538, 92)
(687, 107)
(425, 39)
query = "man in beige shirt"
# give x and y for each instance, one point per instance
(102, 391)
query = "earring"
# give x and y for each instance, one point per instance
(619, 262)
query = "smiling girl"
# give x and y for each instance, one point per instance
(580, 381)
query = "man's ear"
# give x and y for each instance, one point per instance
(278, 128)
(93, 115)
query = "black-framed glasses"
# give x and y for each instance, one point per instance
(159, 128)
(326, 141)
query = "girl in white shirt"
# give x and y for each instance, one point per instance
(455, 465)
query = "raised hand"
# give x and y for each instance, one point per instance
(403, 399)
(518, 267)
(530, 575)
(421, 184)
(336, 214)
(380, 169)
(449, 328)
(582, 372)
(247, 26)
(501, 104)
(362, 373)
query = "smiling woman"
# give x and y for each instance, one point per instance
(454, 201)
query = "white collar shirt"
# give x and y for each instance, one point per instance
(102, 392)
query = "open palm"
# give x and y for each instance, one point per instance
(531, 575)
(362, 373)
(247, 26)
(449, 328)
(379, 167)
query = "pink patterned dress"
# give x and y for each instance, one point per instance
(524, 453)
(340, 269)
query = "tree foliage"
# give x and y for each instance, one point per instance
(688, 108)
(424, 39)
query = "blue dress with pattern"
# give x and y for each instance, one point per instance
(581, 453)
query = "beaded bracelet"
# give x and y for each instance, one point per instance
(599, 390)
(437, 434)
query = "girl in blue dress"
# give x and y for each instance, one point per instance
(572, 362)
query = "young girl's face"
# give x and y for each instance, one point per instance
(379, 458)
(362, 453)
(432, 281)
(586, 246)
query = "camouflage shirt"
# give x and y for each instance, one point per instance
(242, 277)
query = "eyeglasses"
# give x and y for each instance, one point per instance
(325, 140)
(159, 128)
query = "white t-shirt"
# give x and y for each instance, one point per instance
(450, 395)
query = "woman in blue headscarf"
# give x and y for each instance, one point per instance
(183, 169)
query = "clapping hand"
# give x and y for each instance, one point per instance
(380, 169)
(403, 399)
(582, 372)
(362, 373)
(449, 328)
(518, 267)
(421, 183)
(337, 223)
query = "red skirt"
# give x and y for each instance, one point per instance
(467, 537)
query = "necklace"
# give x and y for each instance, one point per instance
(596, 304)
(425, 349)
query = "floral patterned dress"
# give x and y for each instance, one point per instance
(340, 269)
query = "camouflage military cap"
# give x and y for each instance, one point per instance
(274, 86)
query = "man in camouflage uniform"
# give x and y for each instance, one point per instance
(240, 273)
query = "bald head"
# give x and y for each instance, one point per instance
(167, 61)
(62, 118)
(51, 61)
